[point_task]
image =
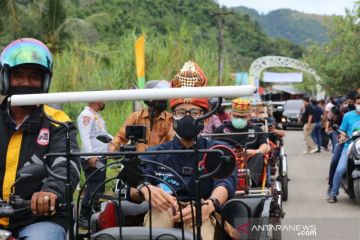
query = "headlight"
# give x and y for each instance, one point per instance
(283, 120)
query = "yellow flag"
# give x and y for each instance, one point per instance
(140, 60)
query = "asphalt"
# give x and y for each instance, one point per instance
(307, 205)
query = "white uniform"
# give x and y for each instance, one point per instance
(91, 124)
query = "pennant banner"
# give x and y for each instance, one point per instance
(140, 60)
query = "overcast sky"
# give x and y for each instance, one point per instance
(328, 7)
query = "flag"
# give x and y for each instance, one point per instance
(140, 60)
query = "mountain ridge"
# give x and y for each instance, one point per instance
(298, 27)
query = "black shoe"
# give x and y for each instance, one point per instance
(332, 199)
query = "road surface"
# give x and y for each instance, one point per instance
(307, 203)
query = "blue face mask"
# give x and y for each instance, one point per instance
(239, 123)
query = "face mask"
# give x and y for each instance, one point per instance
(24, 90)
(239, 123)
(351, 107)
(185, 128)
(358, 107)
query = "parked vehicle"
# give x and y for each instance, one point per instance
(292, 113)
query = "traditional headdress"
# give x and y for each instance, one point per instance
(240, 105)
(190, 75)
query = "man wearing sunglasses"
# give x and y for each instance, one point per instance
(165, 210)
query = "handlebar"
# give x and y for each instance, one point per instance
(16, 204)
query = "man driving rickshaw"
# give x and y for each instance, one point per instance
(254, 142)
(165, 212)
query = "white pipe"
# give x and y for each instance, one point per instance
(132, 94)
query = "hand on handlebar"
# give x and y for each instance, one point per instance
(43, 203)
(160, 200)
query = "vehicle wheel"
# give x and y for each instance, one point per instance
(357, 190)
(284, 188)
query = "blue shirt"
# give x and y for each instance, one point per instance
(349, 120)
(182, 163)
(318, 112)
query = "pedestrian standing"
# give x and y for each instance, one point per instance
(91, 124)
(308, 125)
(316, 133)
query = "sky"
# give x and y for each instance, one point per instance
(328, 7)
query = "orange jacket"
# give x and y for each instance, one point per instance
(161, 132)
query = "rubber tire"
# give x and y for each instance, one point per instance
(284, 188)
(356, 183)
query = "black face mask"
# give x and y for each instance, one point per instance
(24, 90)
(351, 107)
(185, 127)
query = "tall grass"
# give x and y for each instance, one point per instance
(81, 67)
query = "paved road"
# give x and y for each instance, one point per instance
(307, 188)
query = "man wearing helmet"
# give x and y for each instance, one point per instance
(165, 210)
(26, 136)
(155, 118)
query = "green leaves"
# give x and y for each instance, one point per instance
(338, 61)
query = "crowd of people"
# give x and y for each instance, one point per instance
(321, 121)
(329, 125)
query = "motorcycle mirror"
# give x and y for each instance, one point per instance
(356, 134)
(105, 138)
(221, 166)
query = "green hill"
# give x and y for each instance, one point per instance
(300, 28)
(93, 42)
(97, 21)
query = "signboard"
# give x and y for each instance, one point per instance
(283, 77)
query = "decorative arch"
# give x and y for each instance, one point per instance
(263, 63)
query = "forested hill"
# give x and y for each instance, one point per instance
(107, 21)
(298, 27)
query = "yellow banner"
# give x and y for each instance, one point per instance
(140, 60)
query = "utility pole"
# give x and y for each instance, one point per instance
(220, 38)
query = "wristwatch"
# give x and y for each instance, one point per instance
(138, 190)
(216, 204)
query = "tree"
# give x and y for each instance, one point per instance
(338, 61)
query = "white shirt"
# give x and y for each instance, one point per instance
(328, 108)
(91, 124)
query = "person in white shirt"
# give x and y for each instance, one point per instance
(91, 124)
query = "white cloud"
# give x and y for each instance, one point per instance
(328, 7)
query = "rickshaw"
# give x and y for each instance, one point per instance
(255, 203)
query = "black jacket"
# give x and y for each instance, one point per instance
(36, 137)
